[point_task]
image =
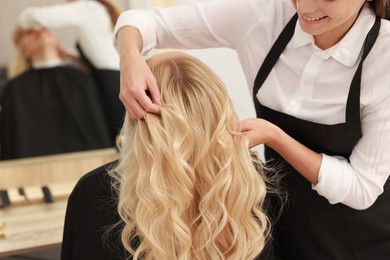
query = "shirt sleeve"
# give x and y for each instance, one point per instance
(53, 16)
(197, 25)
(358, 182)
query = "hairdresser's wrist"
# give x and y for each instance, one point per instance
(128, 41)
(273, 135)
(129, 57)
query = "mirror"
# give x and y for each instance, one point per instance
(230, 72)
(9, 12)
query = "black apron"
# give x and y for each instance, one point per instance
(51, 111)
(310, 227)
(108, 82)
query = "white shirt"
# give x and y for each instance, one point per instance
(307, 82)
(91, 21)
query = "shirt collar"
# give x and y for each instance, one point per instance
(47, 63)
(347, 51)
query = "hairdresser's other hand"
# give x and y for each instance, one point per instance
(139, 92)
(258, 131)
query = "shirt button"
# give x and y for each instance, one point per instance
(293, 103)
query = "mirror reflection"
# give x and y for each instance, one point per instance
(60, 77)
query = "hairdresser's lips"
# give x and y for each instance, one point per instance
(313, 20)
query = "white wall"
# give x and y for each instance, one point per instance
(226, 64)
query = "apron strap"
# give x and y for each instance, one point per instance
(353, 102)
(274, 53)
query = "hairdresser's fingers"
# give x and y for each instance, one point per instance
(151, 100)
(129, 96)
(255, 131)
(250, 124)
(138, 88)
(154, 93)
(136, 100)
(246, 128)
(136, 111)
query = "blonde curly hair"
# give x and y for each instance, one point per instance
(187, 185)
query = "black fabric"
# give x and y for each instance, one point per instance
(51, 111)
(353, 114)
(108, 82)
(92, 224)
(310, 227)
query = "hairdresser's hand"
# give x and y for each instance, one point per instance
(304, 160)
(139, 91)
(258, 131)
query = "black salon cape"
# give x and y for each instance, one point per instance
(50, 111)
(91, 211)
(108, 83)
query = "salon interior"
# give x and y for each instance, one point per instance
(34, 189)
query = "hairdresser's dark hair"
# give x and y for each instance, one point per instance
(381, 8)
(113, 10)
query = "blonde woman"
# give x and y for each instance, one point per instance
(186, 183)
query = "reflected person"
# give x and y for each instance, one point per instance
(93, 22)
(49, 107)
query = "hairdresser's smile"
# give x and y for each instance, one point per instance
(313, 19)
(327, 20)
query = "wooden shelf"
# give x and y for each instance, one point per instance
(33, 225)
(31, 228)
(46, 170)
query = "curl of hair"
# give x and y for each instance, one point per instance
(187, 185)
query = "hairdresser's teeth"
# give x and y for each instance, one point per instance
(312, 19)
